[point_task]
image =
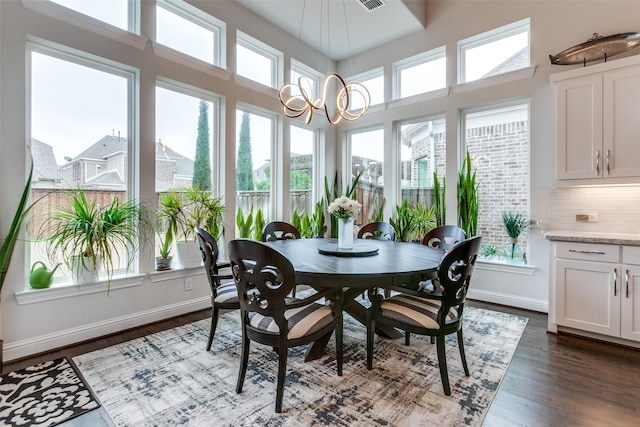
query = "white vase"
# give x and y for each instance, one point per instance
(345, 233)
(85, 270)
(189, 254)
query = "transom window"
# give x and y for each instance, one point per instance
(420, 73)
(374, 82)
(186, 29)
(298, 69)
(258, 61)
(495, 52)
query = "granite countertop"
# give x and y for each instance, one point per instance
(592, 237)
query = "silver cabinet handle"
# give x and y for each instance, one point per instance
(607, 162)
(615, 282)
(575, 251)
(626, 282)
(597, 162)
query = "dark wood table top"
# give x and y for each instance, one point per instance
(393, 264)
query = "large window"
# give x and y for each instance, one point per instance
(422, 153)
(78, 141)
(118, 13)
(302, 157)
(255, 138)
(498, 142)
(421, 73)
(186, 29)
(494, 52)
(257, 61)
(367, 160)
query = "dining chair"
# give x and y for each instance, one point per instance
(378, 230)
(444, 236)
(223, 295)
(264, 277)
(435, 315)
(279, 230)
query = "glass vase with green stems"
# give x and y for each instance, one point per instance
(513, 224)
(467, 198)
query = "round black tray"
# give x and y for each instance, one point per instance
(358, 250)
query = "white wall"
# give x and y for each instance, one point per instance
(38, 326)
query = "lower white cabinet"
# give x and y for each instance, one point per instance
(597, 288)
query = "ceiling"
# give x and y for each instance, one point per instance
(321, 23)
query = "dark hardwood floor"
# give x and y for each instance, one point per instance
(552, 380)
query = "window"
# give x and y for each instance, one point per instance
(303, 141)
(258, 61)
(255, 139)
(186, 29)
(494, 52)
(78, 140)
(118, 13)
(374, 82)
(421, 73)
(367, 158)
(498, 142)
(422, 152)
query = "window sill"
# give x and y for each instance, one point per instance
(504, 267)
(175, 273)
(67, 289)
(421, 97)
(512, 76)
(254, 85)
(85, 22)
(190, 61)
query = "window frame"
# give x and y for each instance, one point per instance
(314, 75)
(362, 78)
(413, 61)
(488, 37)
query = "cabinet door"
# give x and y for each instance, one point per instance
(579, 128)
(630, 303)
(588, 296)
(621, 123)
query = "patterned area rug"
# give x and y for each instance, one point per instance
(168, 378)
(46, 394)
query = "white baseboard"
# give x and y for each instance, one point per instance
(24, 348)
(510, 300)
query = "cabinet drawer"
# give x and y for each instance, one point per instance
(631, 255)
(588, 251)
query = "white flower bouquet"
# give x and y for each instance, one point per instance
(344, 207)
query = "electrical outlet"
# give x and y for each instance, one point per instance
(188, 283)
(590, 217)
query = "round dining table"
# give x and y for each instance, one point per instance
(371, 263)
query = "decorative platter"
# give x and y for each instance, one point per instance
(597, 47)
(358, 250)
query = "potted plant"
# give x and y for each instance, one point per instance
(467, 199)
(439, 196)
(316, 222)
(424, 219)
(258, 224)
(87, 237)
(244, 223)
(184, 210)
(403, 223)
(163, 261)
(513, 224)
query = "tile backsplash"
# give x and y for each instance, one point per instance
(617, 208)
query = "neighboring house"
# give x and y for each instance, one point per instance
(46, 173)
(102, 166)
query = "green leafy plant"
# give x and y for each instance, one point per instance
(513, 224)
(258, 224)
(317, 225)
(98, 235)
(377, 213)
(403, 223)
(9, 242)
(467, 199)
(350, 191)
(244, 224)
(166, 243)
(424, 219)
(490, 251)
(439, 197)
(183, 210)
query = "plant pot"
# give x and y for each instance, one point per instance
(85, 270)
(163, 264)
(189, 254)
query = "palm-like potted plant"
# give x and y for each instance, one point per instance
(513, 224)
(163, 261)
(87, 237)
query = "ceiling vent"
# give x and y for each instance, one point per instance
(371, 5)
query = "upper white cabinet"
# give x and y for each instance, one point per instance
(597, 123)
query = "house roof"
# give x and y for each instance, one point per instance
(100, 150)
(45, 168)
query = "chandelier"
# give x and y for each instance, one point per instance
(298, 98)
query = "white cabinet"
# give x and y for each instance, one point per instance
(597, 130)
(597, 288)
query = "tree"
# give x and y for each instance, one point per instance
(300, 180)
(202, 163)
(244, 166)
